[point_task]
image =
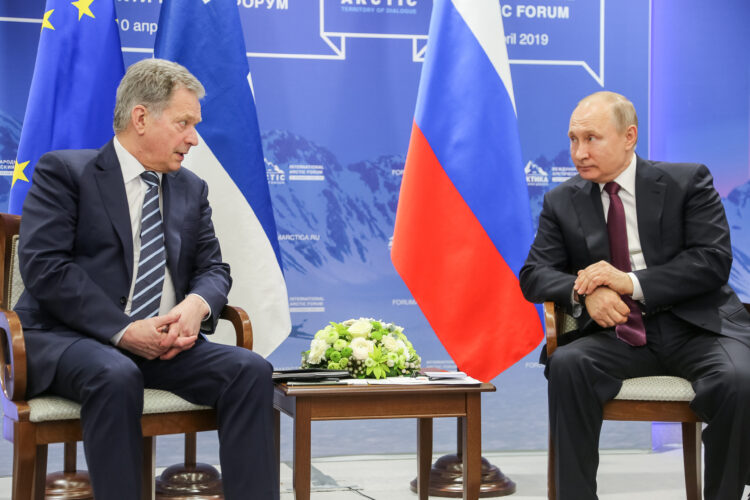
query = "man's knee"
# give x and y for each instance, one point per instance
(576, 371)
(723, 390)
(248, 369)
(251, 365)
(732, 385)
(564, 364)
(118, 375)
(246, 381)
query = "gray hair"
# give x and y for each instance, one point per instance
(151, 82)
(623, 111)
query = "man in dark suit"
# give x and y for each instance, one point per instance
(665, 310)
(122, 272)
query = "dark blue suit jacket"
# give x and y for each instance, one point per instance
(76, 253)
(684, 238)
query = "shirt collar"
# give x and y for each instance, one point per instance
(131, 167)
(626, 179)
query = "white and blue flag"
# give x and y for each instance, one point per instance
(206, 37)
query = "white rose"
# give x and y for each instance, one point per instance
(389, 343)
(318, 349)
(361, 348)
(360, 328)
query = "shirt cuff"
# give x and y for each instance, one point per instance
(115, 339)
(204, 301)
(637, 290)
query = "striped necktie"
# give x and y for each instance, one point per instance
(152, 260)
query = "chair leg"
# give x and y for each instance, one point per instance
(149, 463)
(191, 449)
(24, 460)
(40, 472)
(551, 492)
(70, 458)
(691, 450)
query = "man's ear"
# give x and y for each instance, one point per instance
(138, 118)
(631, 136)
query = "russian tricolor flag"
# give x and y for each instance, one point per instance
(463, 225)
(206, 37)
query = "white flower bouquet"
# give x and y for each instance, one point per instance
(365, 347)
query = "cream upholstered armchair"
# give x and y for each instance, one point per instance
(32, 424)
(660, 399)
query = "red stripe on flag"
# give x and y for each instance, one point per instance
(462, 284)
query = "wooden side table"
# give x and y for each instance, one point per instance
(423, 402)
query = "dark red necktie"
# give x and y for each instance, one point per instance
(632, 332)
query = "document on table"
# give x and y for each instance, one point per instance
(422, 380)
(419, 380)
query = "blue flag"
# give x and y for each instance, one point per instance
(72, 96)
(206, 38)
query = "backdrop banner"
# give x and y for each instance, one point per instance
(335, 86)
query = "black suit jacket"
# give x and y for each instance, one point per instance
(76, 253)
(684, 237)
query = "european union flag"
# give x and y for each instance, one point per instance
(72, 97)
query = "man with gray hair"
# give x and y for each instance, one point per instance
(123, 272)
(639, 252)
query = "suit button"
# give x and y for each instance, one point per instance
(123, 300)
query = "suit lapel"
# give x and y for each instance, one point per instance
(649, 192)
(112, 190)
(588, 205)
(174, 207)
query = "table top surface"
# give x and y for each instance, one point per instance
(351, 390)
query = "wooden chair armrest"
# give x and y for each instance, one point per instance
(243, 328)
(12, 356)
(552, 322)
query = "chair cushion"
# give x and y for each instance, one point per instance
(569, 324)
(15, 283)
(46, 408)
(661, 388)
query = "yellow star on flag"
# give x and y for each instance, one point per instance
(83, 7)
(45, 20)
(18, 173)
